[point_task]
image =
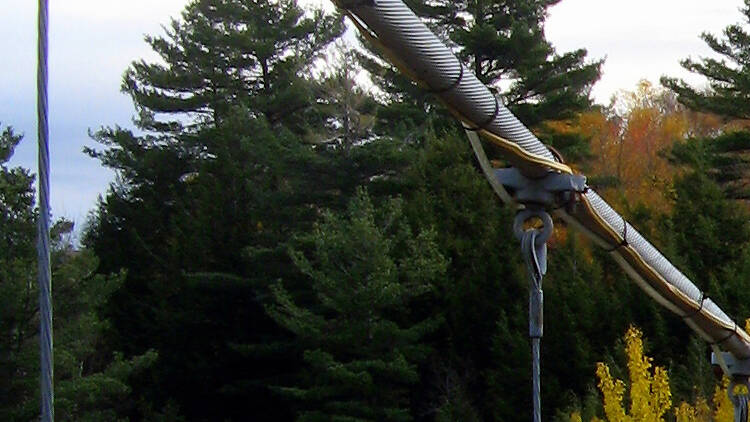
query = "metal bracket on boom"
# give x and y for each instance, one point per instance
(739, 373)
(544, 191)
(736, 367)
(537, 195)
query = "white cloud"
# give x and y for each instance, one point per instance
(135, 11)
(639, 38)
(91, 44)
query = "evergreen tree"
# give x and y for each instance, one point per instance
(18, 300)
(711, 232)
(90, 382)
(225, 53)
(242, 149)
(728, 84)
(727, 96)
(200, 246)
(362, 342)
(719, 158)
(503, 41)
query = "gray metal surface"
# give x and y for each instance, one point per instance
(44, 275)
(540, 190)
(534, 252)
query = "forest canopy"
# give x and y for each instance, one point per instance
(287, 239)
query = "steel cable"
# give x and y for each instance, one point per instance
(534, 252)
(43, 224)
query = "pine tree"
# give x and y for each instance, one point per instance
(727, 96)
(227, 53)
(721, 158)
(200, 246)
(728, 89)
(504, 44)
(361, 341)
(242, 150)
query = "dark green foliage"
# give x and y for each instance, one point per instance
(205, 204)
(17, 201)
(90, 383)
(711, 229)
(711, 234)
(362, 342)
(246, 158)
(722, 158)
(729, 87)
(483, 278)
(226, 53)
(235, 210)
(18, 295)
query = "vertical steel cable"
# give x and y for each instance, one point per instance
(44, 272)
(534, 252)
(536, 299)
(535, 380)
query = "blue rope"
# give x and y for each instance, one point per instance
(44, 272)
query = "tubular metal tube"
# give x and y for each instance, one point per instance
(432, 63)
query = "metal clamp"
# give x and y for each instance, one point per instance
(544, 191)
(538, 195)
(534, 251)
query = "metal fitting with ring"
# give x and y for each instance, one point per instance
(527, 214)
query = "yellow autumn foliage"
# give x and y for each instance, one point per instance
(649, 395)
(720, 409)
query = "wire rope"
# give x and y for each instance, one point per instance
(43, 223)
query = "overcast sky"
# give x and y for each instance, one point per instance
(92, 43)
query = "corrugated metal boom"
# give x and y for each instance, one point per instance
(418, 52)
